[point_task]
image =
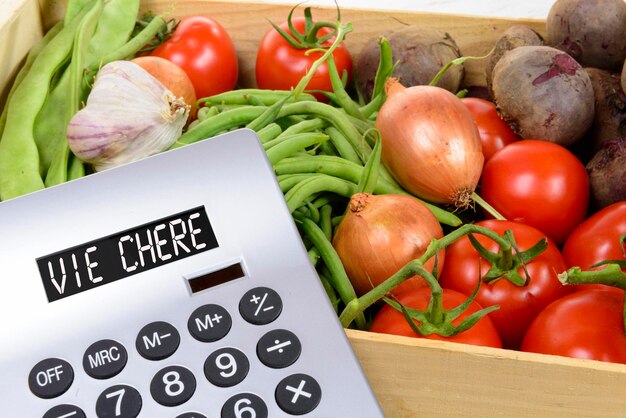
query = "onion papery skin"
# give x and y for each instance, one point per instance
(430, 143)
(379, 234)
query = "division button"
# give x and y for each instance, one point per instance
(173, 385)
(298, 394)
(226, 367)
(209, 323)
(244, 405)
(191, 415)
(260, 306)
(65, 411)
(119, 401)
(104, 359)
(157, 340)
(278, 348)
(50, 378)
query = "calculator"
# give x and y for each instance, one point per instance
(176, 286)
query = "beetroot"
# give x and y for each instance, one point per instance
(607, 174)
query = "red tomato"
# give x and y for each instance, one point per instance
(391, 321)
(587, 324)
(280, 66)
(204, 50)
(495, 133)
(538, 183)
(596, 239)
(518, 304)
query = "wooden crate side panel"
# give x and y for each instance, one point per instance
(247, 23)
(20, 29)
(423, 378)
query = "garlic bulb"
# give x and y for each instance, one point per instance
(129, 115)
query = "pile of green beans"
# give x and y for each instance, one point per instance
(322, 153)
(54, 83)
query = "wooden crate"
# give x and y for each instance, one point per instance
(411, 377)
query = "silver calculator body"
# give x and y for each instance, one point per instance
(175, 286)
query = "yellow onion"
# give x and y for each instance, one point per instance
(379, 234)
(431, 144)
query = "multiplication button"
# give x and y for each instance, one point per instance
(260, 306)
(298, 394)
(278, 348)
(50, 378)
(157, 340)
(209, 323)
(104, 359)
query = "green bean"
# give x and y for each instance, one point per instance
(306, 188)
(32, 54)
(338, 276)
(369, 177)
(335, 117)
(71, 98)
(242, 96)
(227, 119)
(206, 112)
(340, 96)
(341, 144)
(287, 181)
(307, 125)
(294, 143)
(327, 148)
(332, 166)
(19, 157)
(131, 47)
(269, 132)
(74, 8)
(268, 116)
(330, 292)
(325, 221)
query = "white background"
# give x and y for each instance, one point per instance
(533, 9)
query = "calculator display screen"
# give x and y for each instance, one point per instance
(122, 254)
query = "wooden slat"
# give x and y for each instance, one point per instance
(422, 378)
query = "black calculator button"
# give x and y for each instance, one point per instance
(226, 367)
(244, 405)
(50, 378)
(104, 359)
(278, 348)
(260, 306)
(298, 394)
(191, 415)
(157, 340)
(209, 323)
(65, 411)
(173, 385)
(119, 401)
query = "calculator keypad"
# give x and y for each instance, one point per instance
(173, 385)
